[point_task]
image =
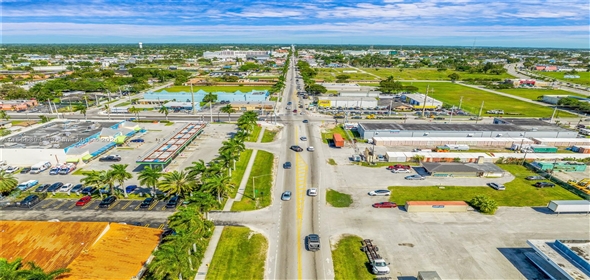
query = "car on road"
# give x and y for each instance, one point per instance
(305, 121)
(312, 192)
(54, 171)
(534, 178)
(66, 187)
(303, 138)
(310, 149)
(380, 193)
(497, 186)
(30, 201)
(129, 189)
(146, 203)
(55, 186)
(12, 169)
(386, 204)
(25, 170)
(137, 140)
(289, 103)
(312, 242)
(105, 203)
(287, 165)
(295, 111)
(84, 200)
(88, 190)
(110, 158)
(286, 196)
(399, 170)
(544, 185)
(42, 188)
(173, 202)
(77, 188)
(414, 177)
(296, 148)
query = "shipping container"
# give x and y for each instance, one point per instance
(544, 149)
(569, 206)
(338, 140)
(119, 110)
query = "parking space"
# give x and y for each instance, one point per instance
(70, 205)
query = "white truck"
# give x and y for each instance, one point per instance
(40, 167)
(378, 264)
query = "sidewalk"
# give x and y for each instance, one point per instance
(208, 256)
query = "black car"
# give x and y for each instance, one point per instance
(146, 203)
(88, 190)
(168, 232)
(25, 170)
(105, 203)
(287, 165)
(42, 188)
(296, 148)
(30, 201)
(55, 186)
(305, 121)
(173, 202)
(544, 185)
(77, 188)
(110, 158)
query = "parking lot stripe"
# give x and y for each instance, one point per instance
(114, 204)
(48, 204)
(87, 205)
(60, 205)
(161, 226)
(153, 205)
(147, 225)
(73, 205)
(126, 205)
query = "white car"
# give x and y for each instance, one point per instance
(380, 192)
(12, 169)
(66, 187)
(312, 192)
(310, 149)
(498, 187)
(303, 138)
(401, 170)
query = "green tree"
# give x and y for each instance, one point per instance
(99, 179)
(389, 85)
(196, 170)
(164, 110)
(44, 118)
(11, 270)
(150, 177)
(81, 108)
(228, 109)
(203, 201)
(220, 185)
(454, 77)
(4, 115)
(342, 78)
(35, 272)
(177, 183)
(119, 174)
(210, 97)
(170, 262)
(316, 89)
(7, 182)
(484, 204)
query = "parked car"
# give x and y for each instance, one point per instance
(146, 203)
(66, 187)
(312, 192)
(84, 200)
(401, 170)
(30, 201)
(303, 138)
(398, 166)
(173, 202)
(305, 121)
(25, 170)
(385, 205)
(12, 169)
(497, 186)
(42, 188)
(296, 148)
(414, 177)
(88, 190)
(532, 178)
(287, 165)
(54, 171)
(27, 185)
(105, 203)
(130, 188)
(310, 149)
(286, 196)
(55, 186)
(380, 192)
(110, 158)
(77, 188)
(544, 185)
(137, 140)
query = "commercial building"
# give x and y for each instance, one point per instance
(560, 166)
(176, 105)
(562, 258)
(554, 99)
(475, 157)
(456, 169)
(348, 102)
(17, 105)
(91, 250)
(419, 100)
(262, 106)
(431, 142)
(436, 206)
(183, 96)
(228, 54)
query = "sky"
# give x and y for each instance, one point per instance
(503, 23)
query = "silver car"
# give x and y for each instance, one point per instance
(286, 196)
(414, 177)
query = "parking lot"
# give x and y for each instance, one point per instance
(70, 204)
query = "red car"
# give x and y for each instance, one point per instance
(385, 205)
(399, 166)
(84, 200)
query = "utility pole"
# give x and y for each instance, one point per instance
(553, 115)
(193, 98)
(425, 97)
(479, 115)
(390, 105)
(211, 110)
(50, 108)
(453, 109)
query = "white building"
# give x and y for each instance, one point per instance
(233, 54)
(348, 102)
(419, 100)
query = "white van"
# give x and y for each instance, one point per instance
(27, 185)
(40, 167)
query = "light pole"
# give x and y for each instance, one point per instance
(254, 186)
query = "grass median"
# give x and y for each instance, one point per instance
(253, 137)
(519, 192)
(349, 260)
(238, 173)
(328, 135)
(260, 182)
(269, 135)
(240, 254)
(338, 199)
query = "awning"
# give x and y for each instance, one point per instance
(120, 139)
(87, 157)
(72, 160)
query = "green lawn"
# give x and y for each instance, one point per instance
(338, 199)
(329, 74)
(329, 134)
(262, 174)
(240, 254)
(238, 173)
(269, 135)
(519, 192)
(274, 98)
(253, 137)
(215, 88)
(534, 93)
(583, 80)
(429, 74)
(450, 94)
(384, 164)
(349, 260)
(123, 104)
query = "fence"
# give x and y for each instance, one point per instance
(557, 181)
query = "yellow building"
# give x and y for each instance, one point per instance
(264, 106)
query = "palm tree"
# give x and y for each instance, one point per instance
(37, 273)
(7, 182)
(135, 111)
(225, 160)
(120, 174)
(108, 109)
(170, 262)
(99, 179)
(150, 177)
(164, 110)
(210, 97)
(203, 201)
(228, 109)
(219, 185)
(197, 169)
(4, 115)
(10, 270)
(240, 135)
(82, 109)
(177, 183)
(187, 219)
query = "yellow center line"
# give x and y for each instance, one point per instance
(301, 181)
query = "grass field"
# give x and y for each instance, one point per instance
(329, 134)
(349, 260)
(215, 88)
(329, 74)
(519, 192)
(269, 136)
(450, 93)
(583, 80)
(338, 199)
(236, 175)
(253, 137)
(428, 74)
(240, 254)
(534, 93)
(262, 174)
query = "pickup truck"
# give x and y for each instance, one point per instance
(399, 166)
(378, 264)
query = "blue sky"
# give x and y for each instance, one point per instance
(511, 23)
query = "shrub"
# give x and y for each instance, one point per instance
(484, 204)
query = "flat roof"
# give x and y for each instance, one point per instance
(555, 256)
(432, 202)
(523, 121)
(440, 127)
(571, 202)
(163, 153)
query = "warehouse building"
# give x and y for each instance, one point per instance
(436, 206)
(161, 97)
(418, 142)
(419, 100)
(561, 259)
(348, 102)
(457, 169)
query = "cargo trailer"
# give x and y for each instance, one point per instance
(338, 140)
(569, 206)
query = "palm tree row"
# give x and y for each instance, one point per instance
(108, 178)
(15, 270)
(7, 182)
